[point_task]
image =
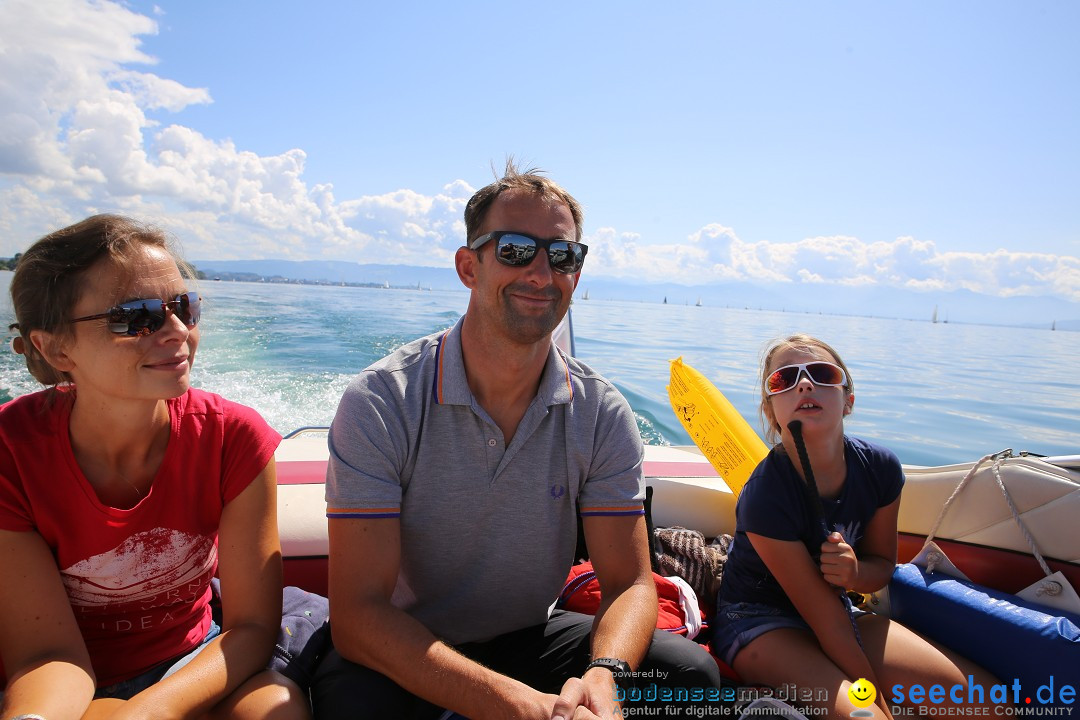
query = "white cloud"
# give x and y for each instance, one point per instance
(55, 75)
(715, 253)
(21, 207)
(81, 132)
(77, 136)
(1012, 273)
(156, 93)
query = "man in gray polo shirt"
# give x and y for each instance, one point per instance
(458, 468)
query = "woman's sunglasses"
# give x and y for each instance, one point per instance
(820, 373)
(518, 250)
(145, 317)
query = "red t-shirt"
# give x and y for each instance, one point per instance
(138, 579)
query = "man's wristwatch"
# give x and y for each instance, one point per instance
(624, 677)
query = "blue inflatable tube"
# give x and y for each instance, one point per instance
(1014, 639)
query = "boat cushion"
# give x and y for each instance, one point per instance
(1012, 638)
(304, 636)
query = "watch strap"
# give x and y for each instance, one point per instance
(620, 670)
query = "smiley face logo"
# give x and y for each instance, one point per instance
(862, 693)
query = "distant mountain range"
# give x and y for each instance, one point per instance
(959, 306)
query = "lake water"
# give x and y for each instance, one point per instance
(934, 393)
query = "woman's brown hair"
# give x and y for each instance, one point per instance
(50, 275)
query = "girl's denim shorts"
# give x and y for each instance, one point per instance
(739, 624)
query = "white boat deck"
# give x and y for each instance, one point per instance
(688, 492)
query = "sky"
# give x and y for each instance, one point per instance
(922, 144)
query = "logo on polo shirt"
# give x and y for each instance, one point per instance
(557, 491)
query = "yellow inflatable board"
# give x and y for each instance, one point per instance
(717, 428)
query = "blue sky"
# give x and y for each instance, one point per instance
(922, 145)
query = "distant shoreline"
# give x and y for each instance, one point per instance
(282, 280)
(752, 298)
(259, 279)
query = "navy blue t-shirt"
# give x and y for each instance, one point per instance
(775, 503)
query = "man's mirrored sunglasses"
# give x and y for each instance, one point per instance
(518, 250)
(145, 317)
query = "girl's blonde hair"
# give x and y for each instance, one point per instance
(800, 342)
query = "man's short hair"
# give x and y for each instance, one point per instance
(531, 180)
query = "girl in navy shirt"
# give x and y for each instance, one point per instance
(781, 616)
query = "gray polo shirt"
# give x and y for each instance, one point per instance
(488, 531)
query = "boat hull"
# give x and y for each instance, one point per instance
(979, 533)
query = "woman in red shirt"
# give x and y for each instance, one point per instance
(123, 491)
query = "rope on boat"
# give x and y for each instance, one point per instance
(1050, 588)
(933, 558)
(960, 486)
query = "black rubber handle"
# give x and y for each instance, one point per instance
(795, 428)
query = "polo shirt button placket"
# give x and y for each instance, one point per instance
(491, 442)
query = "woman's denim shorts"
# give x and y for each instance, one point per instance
(127, 689)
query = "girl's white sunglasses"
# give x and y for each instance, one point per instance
(819, 373)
